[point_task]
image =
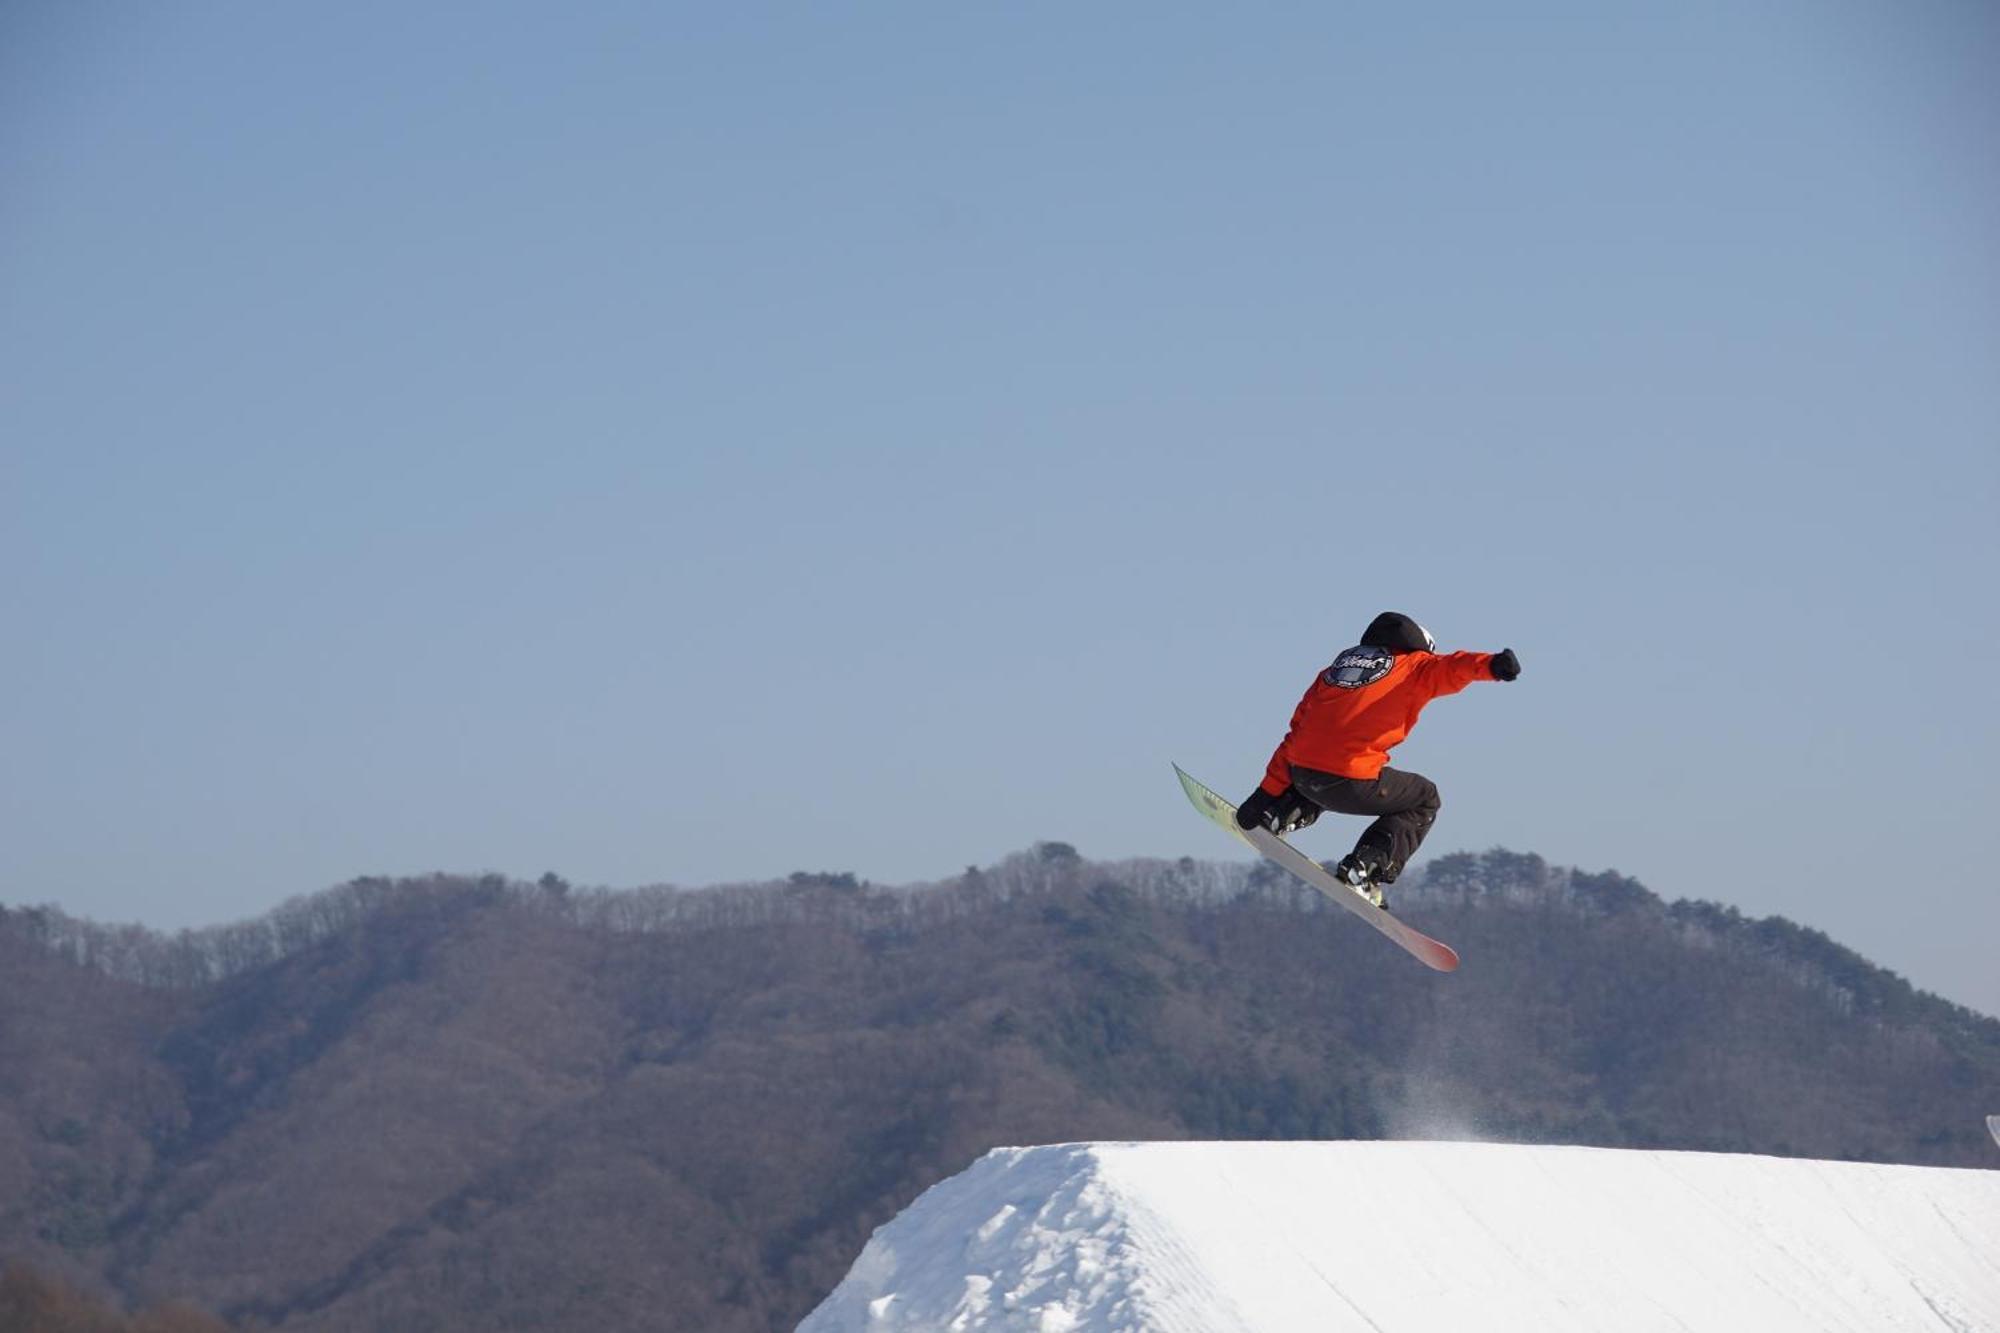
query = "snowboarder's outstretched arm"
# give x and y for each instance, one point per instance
(1448, 673)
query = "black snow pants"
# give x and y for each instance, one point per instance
(1404, 805)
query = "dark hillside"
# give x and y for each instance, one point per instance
(468, 1103)
(34, 1302)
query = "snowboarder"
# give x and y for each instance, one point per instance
(1336, 755)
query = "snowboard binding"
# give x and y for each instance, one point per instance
(1358, 873)
(1282, 814)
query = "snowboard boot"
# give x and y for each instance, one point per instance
(1358, 870)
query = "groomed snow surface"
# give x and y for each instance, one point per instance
(1276, 1237)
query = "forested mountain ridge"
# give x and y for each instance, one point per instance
(463, 1102)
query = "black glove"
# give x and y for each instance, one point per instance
(1506, 666)
(1255, 810)
(1281, 814)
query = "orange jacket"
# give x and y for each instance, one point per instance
(1364, 705)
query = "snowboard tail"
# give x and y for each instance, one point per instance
(1219, 811)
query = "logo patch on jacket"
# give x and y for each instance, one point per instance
(1358, 667)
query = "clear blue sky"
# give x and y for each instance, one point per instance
(689, 444)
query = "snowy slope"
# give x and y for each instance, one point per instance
(1274, 1237)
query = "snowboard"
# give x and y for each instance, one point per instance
(1993, 1127)
(1431, 953)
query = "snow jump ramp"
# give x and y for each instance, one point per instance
(1284, 1237)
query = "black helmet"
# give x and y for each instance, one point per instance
(1398, 633)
